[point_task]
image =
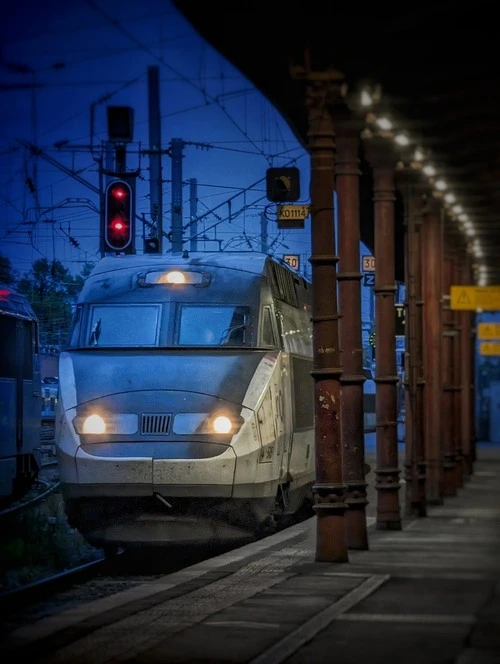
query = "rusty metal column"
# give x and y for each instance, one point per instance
(447, 376)
(329, 490)
(457, 373)
(465, 355)
(349, 277)
(412, 189)
(473, 387)
(431, 284)
(382, 159)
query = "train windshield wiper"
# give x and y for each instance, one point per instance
(228, 333)
(95, 334)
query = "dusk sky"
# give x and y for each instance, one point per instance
(59, 60)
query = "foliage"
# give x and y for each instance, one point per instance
(52, 291)
(7, 275)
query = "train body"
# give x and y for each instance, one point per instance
(20, 452)
(185, 410)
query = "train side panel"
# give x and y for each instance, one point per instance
(20, 422)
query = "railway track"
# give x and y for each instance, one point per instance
(95, 580)
(39, 590)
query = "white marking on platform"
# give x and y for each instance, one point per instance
(292, 642)
(428, 619)
(242, 623)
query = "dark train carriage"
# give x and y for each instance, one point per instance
(20, 394)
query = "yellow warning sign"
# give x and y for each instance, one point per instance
(471, 298)
(488, 330)
(489, 348)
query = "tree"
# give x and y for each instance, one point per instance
(52, 291)
(7, 275)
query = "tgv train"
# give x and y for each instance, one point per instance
(185, 410)
(20, 397)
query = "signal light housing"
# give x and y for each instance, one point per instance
(119, 218)
(283, 184)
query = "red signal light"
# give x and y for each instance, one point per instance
(119, 221)
(118, 192)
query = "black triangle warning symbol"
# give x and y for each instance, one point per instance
(464, 298)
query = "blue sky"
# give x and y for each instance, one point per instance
(58, 60)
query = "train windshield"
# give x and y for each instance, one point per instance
(209, 325)
(124, 325)
(161, 325)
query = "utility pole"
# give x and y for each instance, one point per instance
(176, 229)
(193, 214)
(155, 171)
(263, 232)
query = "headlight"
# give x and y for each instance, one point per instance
(118, 423)
(206, 423)
(94, 424)
(222, 424)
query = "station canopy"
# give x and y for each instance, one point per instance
(437, 67)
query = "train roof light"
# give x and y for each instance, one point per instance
(174, 278)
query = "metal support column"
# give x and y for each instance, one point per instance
(383, 160)
(329, 489)
(431, 284)
(457, 372)
(447, 376)
(412, 190)
(466, 378)
(347, 173)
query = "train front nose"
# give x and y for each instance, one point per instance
(173, 442)
(157, 475)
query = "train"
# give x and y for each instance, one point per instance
(185, 410)
(20, 396)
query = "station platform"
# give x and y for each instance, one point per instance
(427, 594)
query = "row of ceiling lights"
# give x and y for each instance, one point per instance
(418, 159)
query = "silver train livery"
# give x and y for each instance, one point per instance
(20, 451)
(185, 410)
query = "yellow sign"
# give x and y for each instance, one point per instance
(289, 212)
(470, 298)
(488, 330)
(489, 348)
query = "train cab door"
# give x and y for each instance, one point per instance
(281, 396)
(283, 416)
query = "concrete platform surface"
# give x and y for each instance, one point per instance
(427, 594)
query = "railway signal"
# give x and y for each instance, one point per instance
(283, 184)
(119, 218)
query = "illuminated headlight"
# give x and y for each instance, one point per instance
(118, 423)
(206, 423)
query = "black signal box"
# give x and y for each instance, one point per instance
(283, 184)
